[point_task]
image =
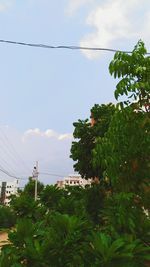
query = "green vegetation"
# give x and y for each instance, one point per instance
(81, 150)
(105, 224)
(7, 217)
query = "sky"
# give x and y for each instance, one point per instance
(44, 91)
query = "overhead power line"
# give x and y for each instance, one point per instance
(4, 162)
(71, 47)
(12, 176)
(52, 174)
(12, 150)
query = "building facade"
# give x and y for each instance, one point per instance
(6, 190)
(73, 180)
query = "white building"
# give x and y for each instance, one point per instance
(7, 189)
(73, 180)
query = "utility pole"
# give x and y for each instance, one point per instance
(35, 178)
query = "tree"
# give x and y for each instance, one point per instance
(119, 252)
(94, 203)
(29, 188)
(51, 196)
(24, 206)
(134, 71)
(7, 217)
(81, 150)
(125, 149)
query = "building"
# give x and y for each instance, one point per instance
(73, 180)
(6, 190)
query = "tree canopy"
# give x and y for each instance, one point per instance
(86, 134)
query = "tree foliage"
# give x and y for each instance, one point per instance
(30, 187)
(7, 217)
(81, 150)
(125, 149)
(134, 71)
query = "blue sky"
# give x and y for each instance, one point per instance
(42, 86)
(44, 91)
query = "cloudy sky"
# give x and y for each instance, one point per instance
(44, 91)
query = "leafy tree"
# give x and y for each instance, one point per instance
(81, 150)
(60, 240)
(126, 145)
(124, 216)
(29, 188)
(7, 217)
(123, 252)
(102, 116)
(24, 206)
(124, 151)
(134, 71)
(51, 196)
(94, 203)
(67, 241)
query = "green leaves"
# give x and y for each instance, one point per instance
(125, 150)
(86, 134)
(119, 252)
(135, 72)
(7, 217)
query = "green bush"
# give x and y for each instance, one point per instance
(7, 217)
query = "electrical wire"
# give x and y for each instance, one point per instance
(7, 154)
(13, 152)
(53, 174)
(12, 176)
(10, 156)
(71, 47)
(6, 165)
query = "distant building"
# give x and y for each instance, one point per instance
(6, 190)
(73, 180)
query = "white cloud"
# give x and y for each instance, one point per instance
(75, 5)
(65, 136)
(29, 132)
(5, 5)
(49, 133)
(38, 132)
(114, 21)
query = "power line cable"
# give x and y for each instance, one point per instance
(5, 162)
(71, 47)
(52, 174)
(8, 153)
(13, 151)
(12, 176)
